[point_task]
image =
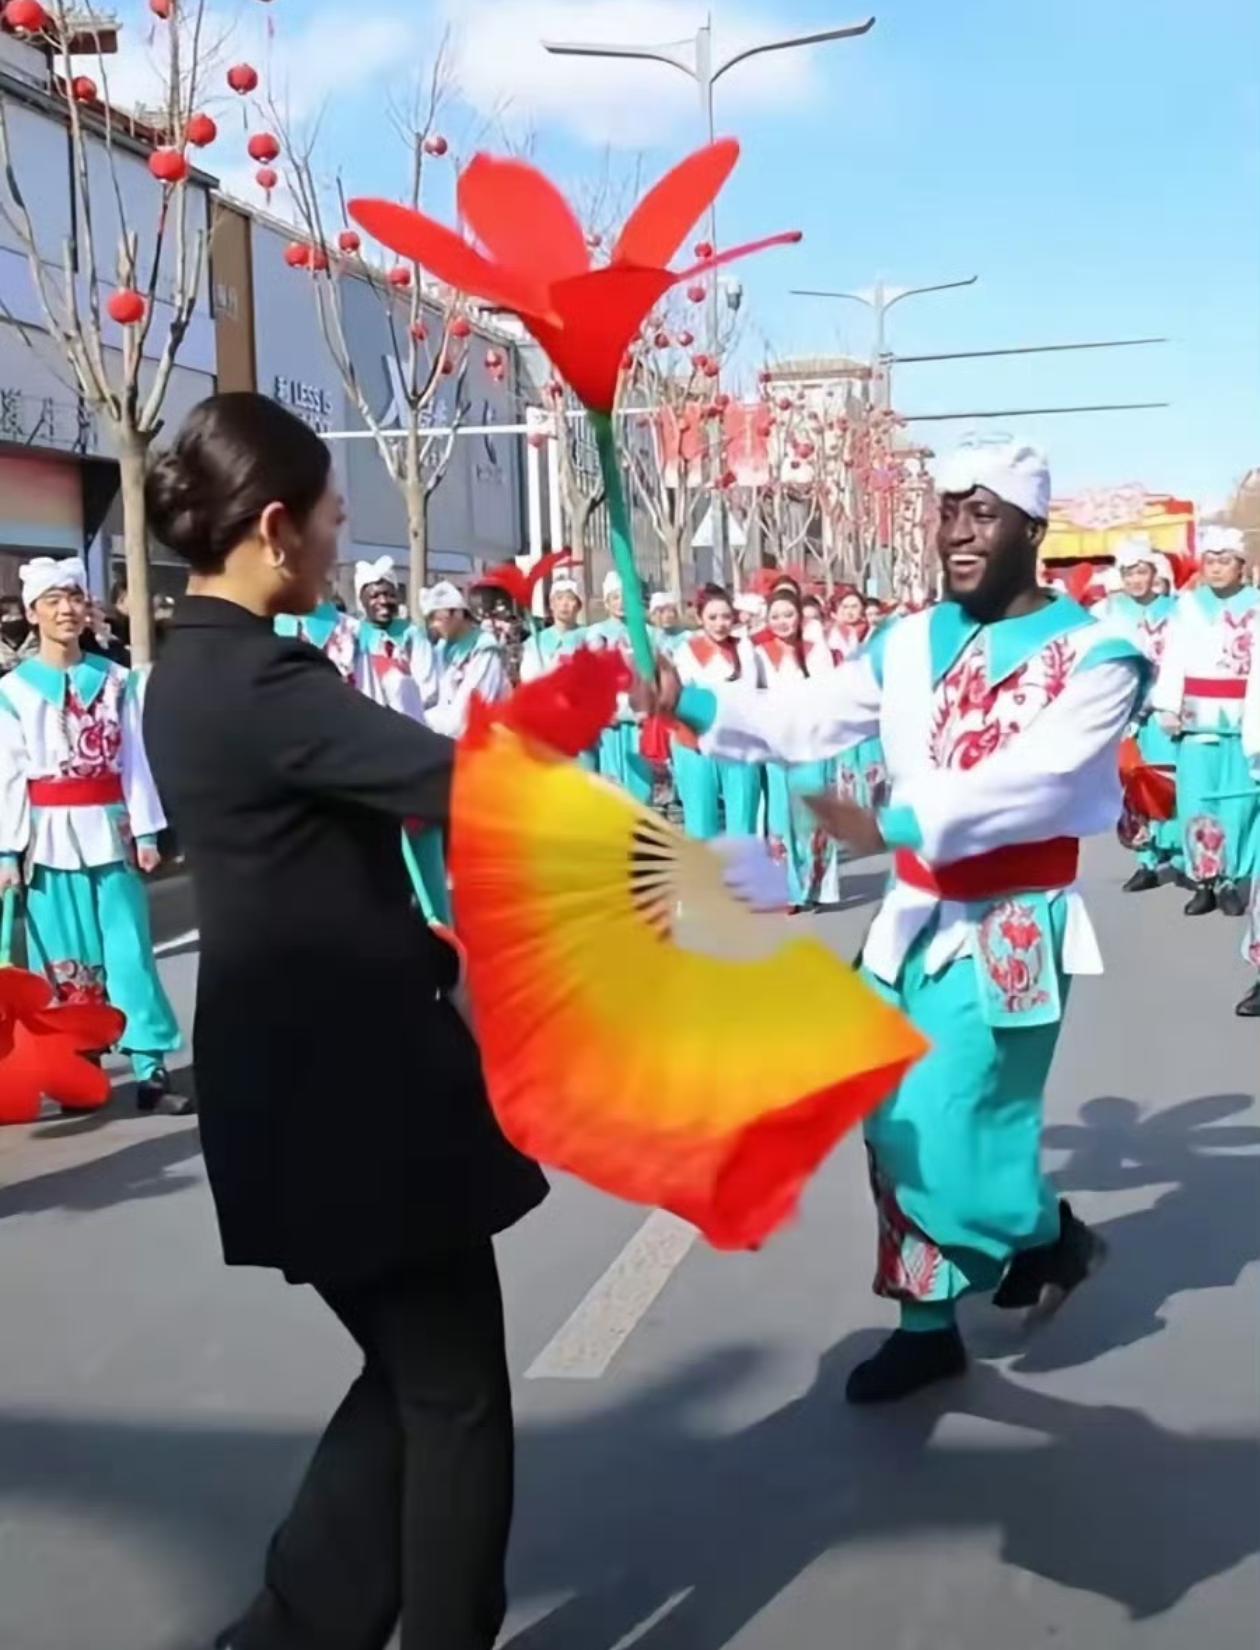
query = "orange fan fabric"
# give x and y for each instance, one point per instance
(636, 1023)
(1149, 792)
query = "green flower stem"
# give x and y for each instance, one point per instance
(6, 927)
(622, 548)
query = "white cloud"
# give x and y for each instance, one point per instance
(503, 69)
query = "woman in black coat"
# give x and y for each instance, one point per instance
(346, 1130)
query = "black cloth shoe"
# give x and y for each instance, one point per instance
(1249, 1008)
(1042, 1279)
(1203, 901)
(1229, 900)
(906, 1363)
(1142, 880)
(155, 1096)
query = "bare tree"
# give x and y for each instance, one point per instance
(145, 278)
(426, 323)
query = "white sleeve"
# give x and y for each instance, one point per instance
(533, 665)
(424, 667)
(486, 675)
(1251, 719)
(684, 662)
(15, 807)
(1060, 777)
(144, 808)
(802, 721)
(1170, 682)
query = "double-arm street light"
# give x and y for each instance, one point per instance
(695, 59)
(879, 299)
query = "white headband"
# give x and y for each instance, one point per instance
(47, 573)
(444, 595)
(662, 598)
(1219, 541)
(612, 583)
(1015, 470)
(1132, 552)
(373, 572)
(565, 587)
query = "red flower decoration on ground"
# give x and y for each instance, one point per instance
(42, 1044)
(537, 262)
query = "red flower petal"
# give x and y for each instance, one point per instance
(508, 578)
(522, 220)
(444, 254)
(550, 563)
(665, 216)
(600, 313)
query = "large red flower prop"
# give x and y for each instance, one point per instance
(537, 261)
(521, 586)
(42, 1044)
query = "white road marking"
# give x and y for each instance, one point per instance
(176, 944)
(584, 1347)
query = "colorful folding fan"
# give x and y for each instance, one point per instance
(638, 1027)
(1150, 792)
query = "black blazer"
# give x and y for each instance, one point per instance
(344, 1119)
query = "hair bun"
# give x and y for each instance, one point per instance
(173, 503)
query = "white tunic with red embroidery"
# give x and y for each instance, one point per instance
(698, 659)
(78, 725)
(1208, 652)
(995, 735)
(780, 662)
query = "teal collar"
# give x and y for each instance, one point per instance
(396, 630)
(463, 647)
(1125, 607)
(1212, 605)
(1009, 643)
(89, 676)
(320, 624)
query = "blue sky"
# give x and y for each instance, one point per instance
(1096, 162)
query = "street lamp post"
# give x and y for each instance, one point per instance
(695, 59)
(879, 299)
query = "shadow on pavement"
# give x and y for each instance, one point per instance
(1199, 1234)
(632, 1507)
(140, 1170)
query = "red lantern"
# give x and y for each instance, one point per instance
(263, 146)
(704, 249)
(243, 78)
(349, 242)
(319, 258)
(266, 179)
(765, 376)
(448, 366)
(419, 331)
(494, 359)
(712, 367)
(297, 255)
(436, 144)
(700, 362)
(461, 327)
(696, 293)
(727, 479)
(161, 8)
(83, 89)
(168, 166)
(399, 276)
(26, 16)
(201, 130)
(785, 404)
(722, 402)
(661, 340)
(686, 339)
(126, 307)
(537, 441)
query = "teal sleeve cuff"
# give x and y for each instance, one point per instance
(146, 841)
(900, 828)
(10, 860)
(697, 707)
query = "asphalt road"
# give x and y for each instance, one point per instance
(690, 1478)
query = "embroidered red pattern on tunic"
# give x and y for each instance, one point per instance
(973, 720)
(1237, 643)
(1205, 847)
(908, 1264)
(77, 982)
(93, 733)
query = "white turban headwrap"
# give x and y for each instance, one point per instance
(1217, 541)
(661, 599)
(565, 587)
(1015, 470)
(444, 595)
(47, 573)
(373, 572)
(612, 583)
(1132, 552)
(750, 603)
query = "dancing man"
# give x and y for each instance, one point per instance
(78, 803)
(390, 647)
(1001, 738)
(1198, 696)
(469, 660)
(1144, 613)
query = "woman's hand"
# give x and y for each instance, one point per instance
(856, 827)
(658, 698)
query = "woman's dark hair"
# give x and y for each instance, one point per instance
(730, 647)
(785, 593)
(713, 593)
(235, 454)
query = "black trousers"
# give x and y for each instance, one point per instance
(407, 1502)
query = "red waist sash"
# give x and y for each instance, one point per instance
(1216, 687)
(1023, 868)
(102, 791)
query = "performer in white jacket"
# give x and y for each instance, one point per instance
(1249, 1008)
(1001, 727)
(469, 660)
(395, 662)
(717, 797)
(1199, 692)
(79, 807)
